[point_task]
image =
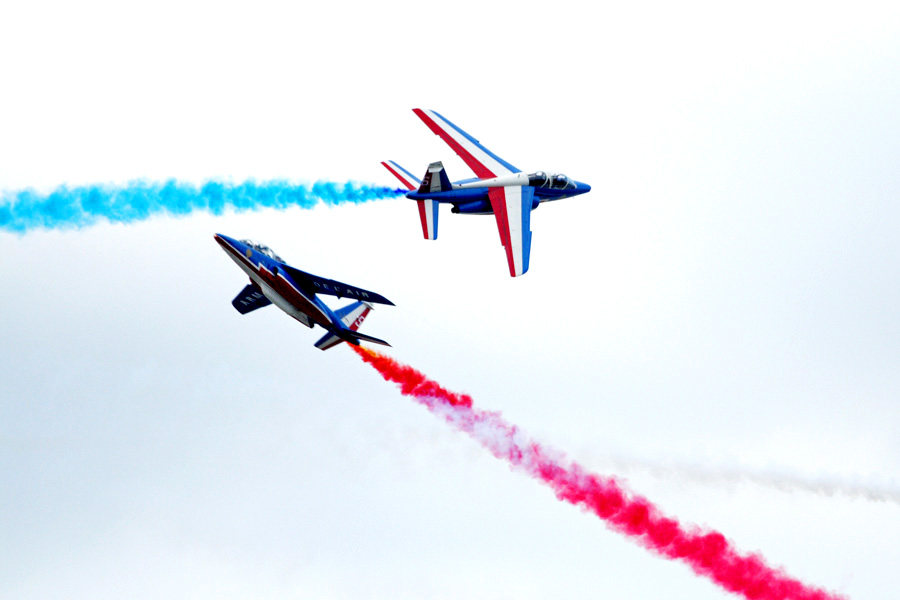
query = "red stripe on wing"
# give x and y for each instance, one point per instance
(498, 204)
(424, 218)
(405, 181)
(473, 163)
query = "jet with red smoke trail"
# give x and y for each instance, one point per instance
(499, 189)
(295, 292)
(708, 553)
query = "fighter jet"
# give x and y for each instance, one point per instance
(295, 292)
(499, 189)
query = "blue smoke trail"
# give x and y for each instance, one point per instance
(67, 207)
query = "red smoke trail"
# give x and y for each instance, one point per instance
(707, 552)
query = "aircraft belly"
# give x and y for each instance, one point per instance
(283, 294)
(296, 302)
(279, 301)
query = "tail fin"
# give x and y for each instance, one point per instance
(435, 179)
(352, 316)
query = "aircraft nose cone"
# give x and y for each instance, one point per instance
(224, 240)
(583, 188)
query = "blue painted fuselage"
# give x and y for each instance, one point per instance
(292, 290)
(475, 200)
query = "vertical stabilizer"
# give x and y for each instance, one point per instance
(435, 179)
(352, 316)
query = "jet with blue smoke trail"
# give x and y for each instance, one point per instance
(82, 206)
(498, 189)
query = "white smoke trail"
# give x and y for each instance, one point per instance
(708, 553)
(780, 478)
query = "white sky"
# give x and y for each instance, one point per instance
(716, 321)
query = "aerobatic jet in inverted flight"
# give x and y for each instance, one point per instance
(294, 291)
(499, 189)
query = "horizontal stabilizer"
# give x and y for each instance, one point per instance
(428, 215)
(368, 338)
(405, 177)
(329, 340)
(250, 298)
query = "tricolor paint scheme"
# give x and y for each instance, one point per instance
(499, 189)
(295, 292)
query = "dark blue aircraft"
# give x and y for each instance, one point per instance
(295, 292)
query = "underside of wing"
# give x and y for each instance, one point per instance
(483, 162)
(249, 299)
(512, 209)
(321, 285)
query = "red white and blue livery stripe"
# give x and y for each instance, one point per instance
(405, 177)
(499, 188)
(483, 162)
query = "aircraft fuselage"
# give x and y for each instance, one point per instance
(470, 196)
(277, 286)
(296, 292)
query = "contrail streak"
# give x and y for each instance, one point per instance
(707, 552)
(778, 479)
(68, 207)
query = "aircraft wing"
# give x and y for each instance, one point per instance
(249, 299)
(321, 285)
(483, 162)
(512, 209)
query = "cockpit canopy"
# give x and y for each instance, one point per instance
(262, 249)
(556, 181)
